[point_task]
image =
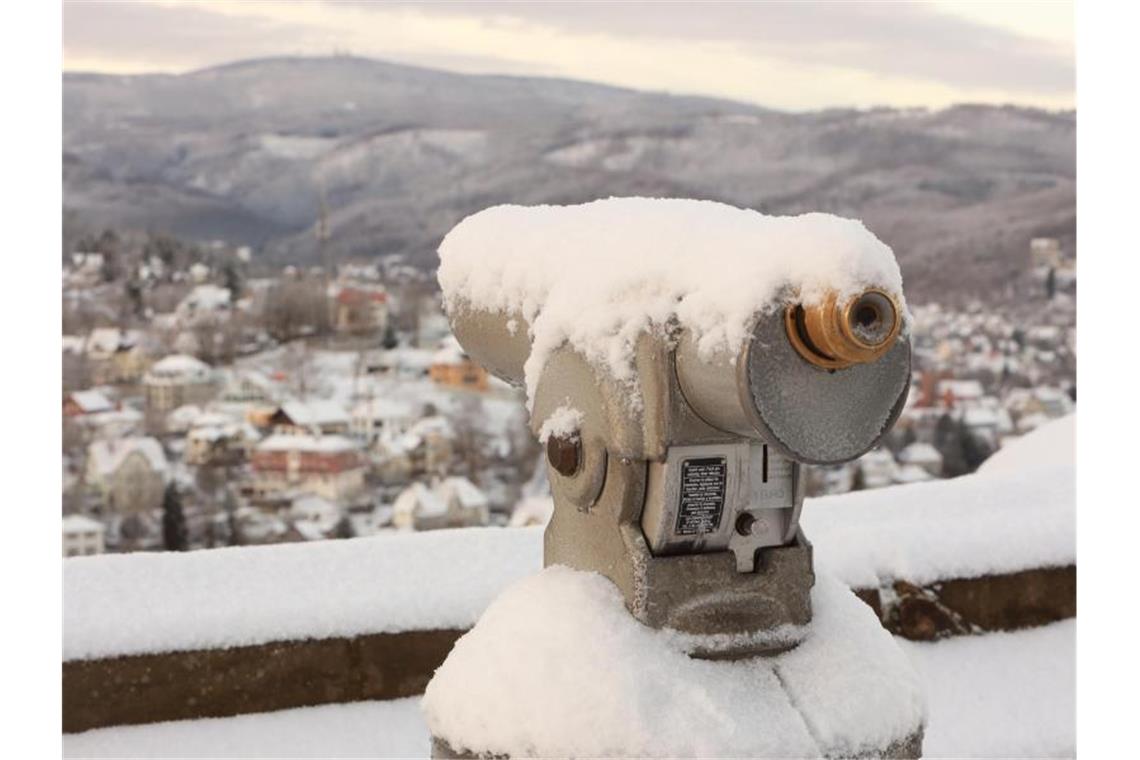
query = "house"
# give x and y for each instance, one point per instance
(452, 367)
(257, 527)
(427, 447)
(374, 417)
(116, 423)
(924, 456)
(204, 305)
(960, 393)
(314, 518)
(178, 380)
(82, 403)
(360, 309)
(322, 417)
(213, 441)
(248, 387)
(116, 356)
(82, 536)
(984, 423)
(129, 474)
(454, 502)
(911, 473)
(403, 361)
(331, 466)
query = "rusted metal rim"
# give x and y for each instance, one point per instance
(833, 335)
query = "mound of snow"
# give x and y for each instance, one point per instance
(601, 273)
(557, 667)
(1050, 445)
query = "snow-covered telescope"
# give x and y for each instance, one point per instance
(682, 360)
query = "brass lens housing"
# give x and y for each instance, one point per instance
(835, 335)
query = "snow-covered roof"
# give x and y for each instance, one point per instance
(252, 378)
(316, 444)
(384, 409)
(596, 275)
(81, 524)
(911, 473)
(206, 297)
(108, 340)
(962, 390)
(980, 416)
(419, 500)
(309, 530)
(106, 455)
(920, 453)
(92, 401)
(125, 416)
(180, 368)
(318, 412)
(467, 494)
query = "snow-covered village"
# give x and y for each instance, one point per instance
(206, 406)
(584, 380)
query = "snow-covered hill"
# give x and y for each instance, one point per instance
(243, 151)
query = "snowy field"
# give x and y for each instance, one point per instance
(999, 695)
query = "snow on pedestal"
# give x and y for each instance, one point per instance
(557, 667)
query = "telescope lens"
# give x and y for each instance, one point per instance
(872, 319)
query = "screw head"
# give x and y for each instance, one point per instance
(564, 454)
(744, 524)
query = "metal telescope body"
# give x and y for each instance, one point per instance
(689, 499)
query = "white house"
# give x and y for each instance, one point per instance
(82, 536)
(374, 417)
(922, 455)
(129, 473)
(454, 502)
(177, 380)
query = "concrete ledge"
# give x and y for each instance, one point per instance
(275, 676)
(974, 605)
(208, 683)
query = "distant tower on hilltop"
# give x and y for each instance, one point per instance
(322, 233)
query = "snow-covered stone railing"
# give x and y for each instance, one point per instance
(150, 637)
(167, 636)
(995, 550)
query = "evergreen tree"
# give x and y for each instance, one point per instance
(390, 340)
(174, 536)
(232, 280)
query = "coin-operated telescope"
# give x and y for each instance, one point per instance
(683, 481)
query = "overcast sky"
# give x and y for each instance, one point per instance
(791, 56)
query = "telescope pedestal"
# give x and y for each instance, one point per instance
(557, 667)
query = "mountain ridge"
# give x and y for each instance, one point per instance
(245, 151)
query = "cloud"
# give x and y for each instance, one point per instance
(791, 56)
(894, 39)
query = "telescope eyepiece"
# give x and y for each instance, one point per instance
(836, 335)
(871, 319)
